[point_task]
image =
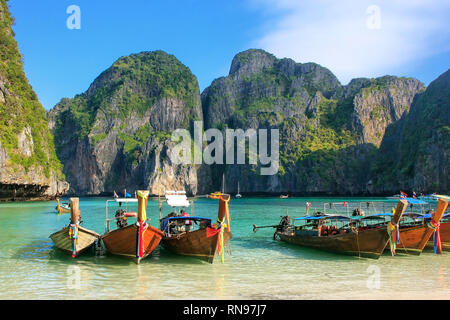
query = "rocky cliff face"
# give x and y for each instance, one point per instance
(329, 133)
(356, 139)
(29, 168)
(116, 135)
(414, 154)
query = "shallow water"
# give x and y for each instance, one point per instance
(256, 267)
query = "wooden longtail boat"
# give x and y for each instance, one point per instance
(206, 242)
(74, 239)
(414, 238)
(348, 239)
(135, 241)
(60, 208)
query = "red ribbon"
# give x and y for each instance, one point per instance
(211, 232)
(140, 239)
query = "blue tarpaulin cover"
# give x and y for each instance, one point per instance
(415, 201)
(323, 217)
(165, 221)
(387, 214)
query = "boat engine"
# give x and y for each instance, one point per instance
(283, 225)
(121, 220)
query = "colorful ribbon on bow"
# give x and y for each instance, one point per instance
(73, 235)
(390, 230)
(218, 228)
(141, 227)
(437, 236)
(220, 246)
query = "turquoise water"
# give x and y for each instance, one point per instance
(256, 267)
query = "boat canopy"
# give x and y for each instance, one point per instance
(337, 217)
(177, 198)
(165, 221)
(377, 215)
(413, 214)
(187, 218)
(415, 201)
(430, 215)
(126, 200)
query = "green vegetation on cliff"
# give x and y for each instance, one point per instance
(20, 107)
(133, 84)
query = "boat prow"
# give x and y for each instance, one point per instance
(136, 241)
(123, 241)
(204, 243)
(86, 239)
(413, 239)
(74, 239)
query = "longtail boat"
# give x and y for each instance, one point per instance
(415, 234)
(207, 241)
(351, 238)
(137, 240)
(74, 239)
(62, 208)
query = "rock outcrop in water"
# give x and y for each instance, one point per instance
(29, 168)
(116, 135)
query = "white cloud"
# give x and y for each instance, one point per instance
(336, 35)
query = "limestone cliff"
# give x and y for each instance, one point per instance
(329, 133)
(414, 154)
(29, 168)
(116, 135)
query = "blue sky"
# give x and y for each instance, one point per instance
(351, 38)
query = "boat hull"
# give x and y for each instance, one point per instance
(369, 243)
(122, 242)
(414, 239)
(196, 244)
(86, 238)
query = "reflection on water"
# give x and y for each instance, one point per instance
(256, 267)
